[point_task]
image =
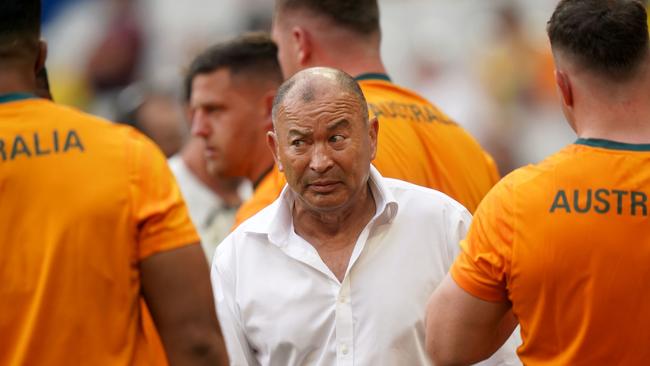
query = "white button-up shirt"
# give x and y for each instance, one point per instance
(279, 304)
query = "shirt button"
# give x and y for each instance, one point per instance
(344, 349)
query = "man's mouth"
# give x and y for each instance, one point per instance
(323, 186)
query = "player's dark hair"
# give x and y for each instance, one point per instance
(360, 16)
(251, 53)
(608, 37)
(20, 25)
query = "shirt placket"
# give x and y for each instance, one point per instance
(344, 326)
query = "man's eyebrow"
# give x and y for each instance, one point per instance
(295, 131)
(338, 124)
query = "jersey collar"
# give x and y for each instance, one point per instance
(373, 76)
(612, 145)
(14, 97)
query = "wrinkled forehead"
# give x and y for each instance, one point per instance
(306, 105)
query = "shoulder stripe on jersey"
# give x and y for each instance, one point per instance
(612, 145)
(13, 97)
(373, 76)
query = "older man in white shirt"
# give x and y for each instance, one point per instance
(338, 270)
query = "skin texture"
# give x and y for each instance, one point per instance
(232, 114)
(324, 144)
(462, 329)
(184, 315)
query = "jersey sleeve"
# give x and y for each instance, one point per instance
(161, 217)
(483, 265)
(265, 194)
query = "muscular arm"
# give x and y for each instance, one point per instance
(176, 287)
(463, 329)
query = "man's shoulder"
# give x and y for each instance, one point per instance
(419, 198)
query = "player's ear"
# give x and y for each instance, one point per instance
(303, 42)
(564, 86)
(42, 55)
(272, 142)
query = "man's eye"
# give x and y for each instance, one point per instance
(297, 143)
(337, 138)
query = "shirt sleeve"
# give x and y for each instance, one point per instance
(239, 351)
(458, 222)
(161, 217)
(483, 266)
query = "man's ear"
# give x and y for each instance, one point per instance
(272, 143)
(303, 45)
(374, 133)
(564, 86)
(40, 58)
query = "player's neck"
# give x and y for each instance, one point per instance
(15, 80)
(622, 117)
(353, 57)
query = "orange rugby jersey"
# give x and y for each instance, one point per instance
(83, 201)
(417, 143)
(568, 243)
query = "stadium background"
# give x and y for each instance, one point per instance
(485, 63)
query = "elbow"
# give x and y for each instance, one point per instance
(444, 356)
(198, 347)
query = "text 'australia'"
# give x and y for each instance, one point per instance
(39, 144)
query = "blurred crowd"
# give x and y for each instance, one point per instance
(486, 64)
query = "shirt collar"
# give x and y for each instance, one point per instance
(14, 97)
(279, 222)
(612, 145)
(373, 76)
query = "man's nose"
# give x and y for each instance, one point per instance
(321, 161)
(200, 124)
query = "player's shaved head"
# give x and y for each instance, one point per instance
(305, 85)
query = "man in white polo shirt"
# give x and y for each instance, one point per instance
(338, 270)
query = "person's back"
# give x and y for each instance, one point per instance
(578, 254)
(96, 239)
(565, 244)
(70, 247)
(421, 145)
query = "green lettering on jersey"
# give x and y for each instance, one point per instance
(619, 200)
(560, 201)
(417, 112)
(37, 146)
(19, 147)
(2, 150)
(72, 141)
(639, 199)
(375, 110)
(601, 196)
(576, 201)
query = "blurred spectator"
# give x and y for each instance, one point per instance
(517, 73)
(212, 200)
(112, 64)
